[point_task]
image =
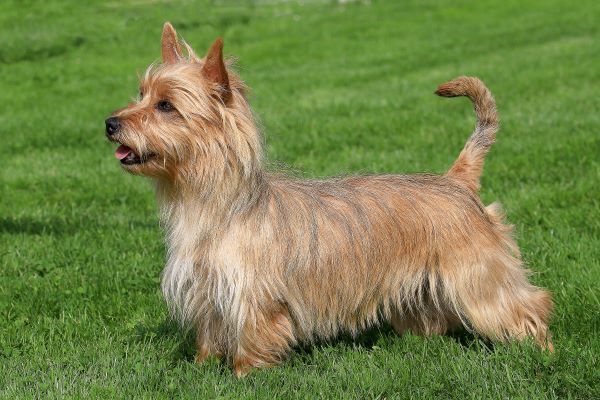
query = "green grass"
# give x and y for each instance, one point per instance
(339, 89)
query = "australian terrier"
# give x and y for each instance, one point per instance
(258, 261)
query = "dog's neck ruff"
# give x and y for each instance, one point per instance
(185, 222)
(194, 226)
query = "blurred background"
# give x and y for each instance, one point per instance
(339, 87)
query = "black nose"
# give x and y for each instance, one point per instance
(112, 125)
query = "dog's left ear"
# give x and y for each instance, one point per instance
(214, 70)
(171, 51)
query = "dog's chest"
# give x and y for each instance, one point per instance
(202, 279)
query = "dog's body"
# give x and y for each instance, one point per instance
(259, 261)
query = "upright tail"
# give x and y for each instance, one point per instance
(469, 165)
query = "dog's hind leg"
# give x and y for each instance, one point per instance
(497, 301)
(428, 320)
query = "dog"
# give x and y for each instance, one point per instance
(258, 261)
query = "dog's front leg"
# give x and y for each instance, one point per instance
(264, 341)
(202, 351)
(207, 343)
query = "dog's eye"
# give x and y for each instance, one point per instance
(165, 106)
(141, 95)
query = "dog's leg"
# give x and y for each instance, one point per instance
(202, 351)
(206, 345)
(205, 349)
(264, 342)
(429, 320)
(499, 302)
(405, 322)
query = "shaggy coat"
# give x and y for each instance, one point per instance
(258, 261)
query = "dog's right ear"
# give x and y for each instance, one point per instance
(171, 51)
(214, 69)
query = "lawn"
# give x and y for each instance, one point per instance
(339, 88)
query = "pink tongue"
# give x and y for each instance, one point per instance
(122, 152)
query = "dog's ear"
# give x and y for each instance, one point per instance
(214, 69)
(171, 51)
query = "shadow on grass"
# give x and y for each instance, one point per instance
(167, 331)
(184, 348)
(369, 339)
(57, 226)
(32, 226)
(469, 340)
(366, 340)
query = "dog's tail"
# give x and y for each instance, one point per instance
(469, 165)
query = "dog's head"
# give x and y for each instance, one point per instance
(191, 118)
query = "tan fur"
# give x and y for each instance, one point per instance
(258, 261)
(469, 165)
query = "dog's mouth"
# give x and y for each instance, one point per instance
(127, 156)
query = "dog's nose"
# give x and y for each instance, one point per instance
(112, 125)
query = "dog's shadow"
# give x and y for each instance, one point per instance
(366, 340)
(169, 333)
(372, 338)
(183, 346)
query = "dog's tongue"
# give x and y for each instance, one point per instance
(122, 152)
